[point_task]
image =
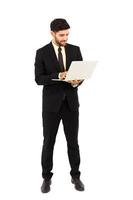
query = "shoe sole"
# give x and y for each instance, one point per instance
(46, 191)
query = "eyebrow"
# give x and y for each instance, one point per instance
(63, 34)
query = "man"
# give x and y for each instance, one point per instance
(60, 100)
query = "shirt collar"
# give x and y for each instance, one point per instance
(56, 46)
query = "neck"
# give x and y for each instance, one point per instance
(55, 43)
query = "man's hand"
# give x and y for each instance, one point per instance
(62, 75)
(73, 82)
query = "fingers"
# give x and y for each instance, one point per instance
(74, 81)
(63, 75)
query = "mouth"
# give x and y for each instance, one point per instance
(63, 43)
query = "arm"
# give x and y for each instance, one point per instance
(40, 77)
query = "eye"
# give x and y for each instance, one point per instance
(61, 35)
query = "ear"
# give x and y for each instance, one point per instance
(52, 33)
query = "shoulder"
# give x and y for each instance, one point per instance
(43, 48)
(72, 46)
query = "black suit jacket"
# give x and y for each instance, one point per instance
(47, 68)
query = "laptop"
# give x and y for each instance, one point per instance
(79, 70)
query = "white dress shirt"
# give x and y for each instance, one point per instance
(63, 55)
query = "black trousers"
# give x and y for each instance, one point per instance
(51, 121)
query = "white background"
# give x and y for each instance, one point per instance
(103, 30)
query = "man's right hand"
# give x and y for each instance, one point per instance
(62, 75)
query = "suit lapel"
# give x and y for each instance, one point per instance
(53, 56)
(68, 58)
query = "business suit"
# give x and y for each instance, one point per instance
(60, 101)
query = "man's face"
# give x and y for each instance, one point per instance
(60, 37)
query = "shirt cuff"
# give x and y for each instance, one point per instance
(74, 85)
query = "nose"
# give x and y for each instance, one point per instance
(65, 38)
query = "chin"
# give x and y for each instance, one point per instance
(63, 44)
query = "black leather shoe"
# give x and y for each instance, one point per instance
(78, 184)
(45, 188)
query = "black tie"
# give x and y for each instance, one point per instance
(60, 58)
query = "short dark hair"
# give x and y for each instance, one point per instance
(59, 24)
